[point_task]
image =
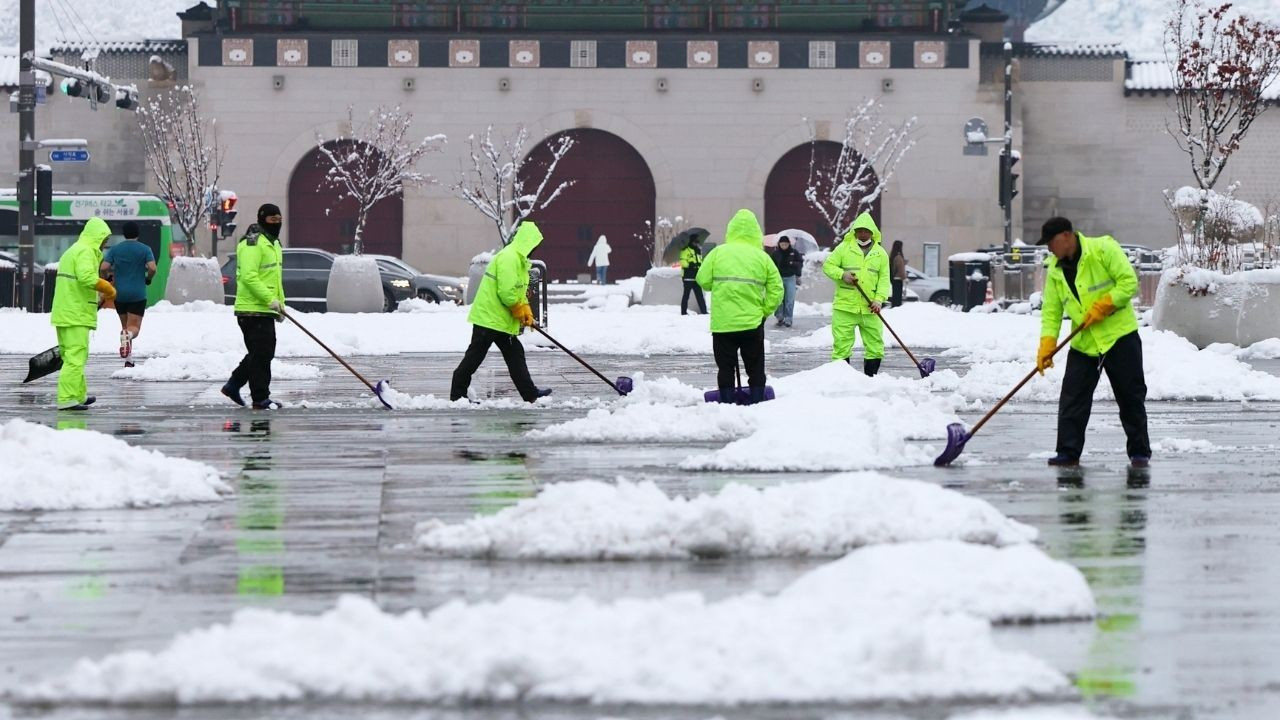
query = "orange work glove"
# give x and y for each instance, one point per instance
(1044, 356)
(108, 291)
(523, 313)
(1099, 310)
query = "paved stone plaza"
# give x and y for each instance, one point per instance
(1180, 560)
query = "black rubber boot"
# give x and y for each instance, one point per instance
(871, 367)
(757, 395)
(727, 395)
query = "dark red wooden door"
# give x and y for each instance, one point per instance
(321, 217)
(785, 206)
(613, 196)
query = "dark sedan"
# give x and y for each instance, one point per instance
(306, 281)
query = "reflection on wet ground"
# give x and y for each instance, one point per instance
(1180, 558)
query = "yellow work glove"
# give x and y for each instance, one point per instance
(1044, 356)
(523, 313)
(1099, 310)
(107, 290)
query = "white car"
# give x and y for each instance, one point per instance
(928, 287)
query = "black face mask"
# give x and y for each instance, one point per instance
(272, 229)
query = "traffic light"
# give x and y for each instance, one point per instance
(1008, 178)
(227, 213)
(72, 87)
(44, 190)
(126, 98)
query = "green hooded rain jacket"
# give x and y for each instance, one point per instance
(744, 283)
(75, 295)
(871, 269)
(505, 283)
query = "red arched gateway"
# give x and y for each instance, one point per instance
(613, 195)
(322, 217)
(785, 206)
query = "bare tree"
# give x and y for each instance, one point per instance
(869, 154)
(494, 184)
(1221, 66)
(375, 161)
(181, 148)
(657, 240)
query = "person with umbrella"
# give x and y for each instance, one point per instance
(860, 268)
(690, 263)
(789, 262)
(745, 289)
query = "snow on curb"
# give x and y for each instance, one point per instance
(825, 518)
(836, 635)
(51, 469)
(207, 367)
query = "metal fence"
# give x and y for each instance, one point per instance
(1014, 281)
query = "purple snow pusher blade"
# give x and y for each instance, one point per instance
(624, 385)
(741, 395)
(927, 366)
(956, 438)
(378, 389)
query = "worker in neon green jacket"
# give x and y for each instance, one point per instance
(1091, 279)
(75, 310)
(498, 312)
(259, 306)
(745, 288)
(859, 266)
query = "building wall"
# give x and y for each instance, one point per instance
(115, 147)
(710, 140)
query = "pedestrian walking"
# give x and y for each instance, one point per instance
(1091, 279)
(259, 306)
(129, 266)
(690, 263)
(745, 289)
(499, 312)
(75, 310)
(859, 260)
(897, 273)
(600, 258)
(790, 264)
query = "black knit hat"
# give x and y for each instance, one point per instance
(266, 210)
(1053, 227)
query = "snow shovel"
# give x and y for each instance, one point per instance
(376, 389)
(622, 386)
(925, 366)
(741, 395)
(45, 363)
(956, 435)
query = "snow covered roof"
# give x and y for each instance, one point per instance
(123, 46)
(1154, 76)
(1081, 50)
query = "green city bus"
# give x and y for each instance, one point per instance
(57, 232)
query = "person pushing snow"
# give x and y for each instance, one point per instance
(600, 258)
(859, 262)
(75, 310)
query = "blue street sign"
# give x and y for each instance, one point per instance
(68, 156)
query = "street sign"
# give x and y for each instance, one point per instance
(68, 156)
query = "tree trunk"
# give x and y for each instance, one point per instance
(357, 246)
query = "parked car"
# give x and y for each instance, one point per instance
(432, 288)
(306, 281)
(927, 287)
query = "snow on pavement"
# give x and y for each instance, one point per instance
(886, 623)
(599, 521)
(47, 469)
(1051, 712)
(208, 366)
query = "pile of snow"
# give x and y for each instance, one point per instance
(48, 469)
(1265, 350)
(598, 521)
(828, 419)
(418, 305)
(886, 623)
(1170, 446)
(207, 367)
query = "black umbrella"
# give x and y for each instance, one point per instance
(672, 252)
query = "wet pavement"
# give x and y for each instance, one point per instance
(1181, 559)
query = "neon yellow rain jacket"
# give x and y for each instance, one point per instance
(744, 283)
(75, 295)
(1103, 270)
(259, 274)
(505, 283)
(871, 269)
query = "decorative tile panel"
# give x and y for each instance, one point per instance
(464, 53)
(523, 53)
(237, 51)
(582, 53)
(345, 53)
(762, 54)
(402, 53)
(702, 54)
(642, 54)
(873, 54)
(930, 54)
(291, 52)
(822, 53)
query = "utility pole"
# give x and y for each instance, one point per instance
(1006, 157)
(27, 153)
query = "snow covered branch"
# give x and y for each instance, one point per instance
(375, 161)
(656, 240)
(496, 185)
(181, 148)
(869, 155)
